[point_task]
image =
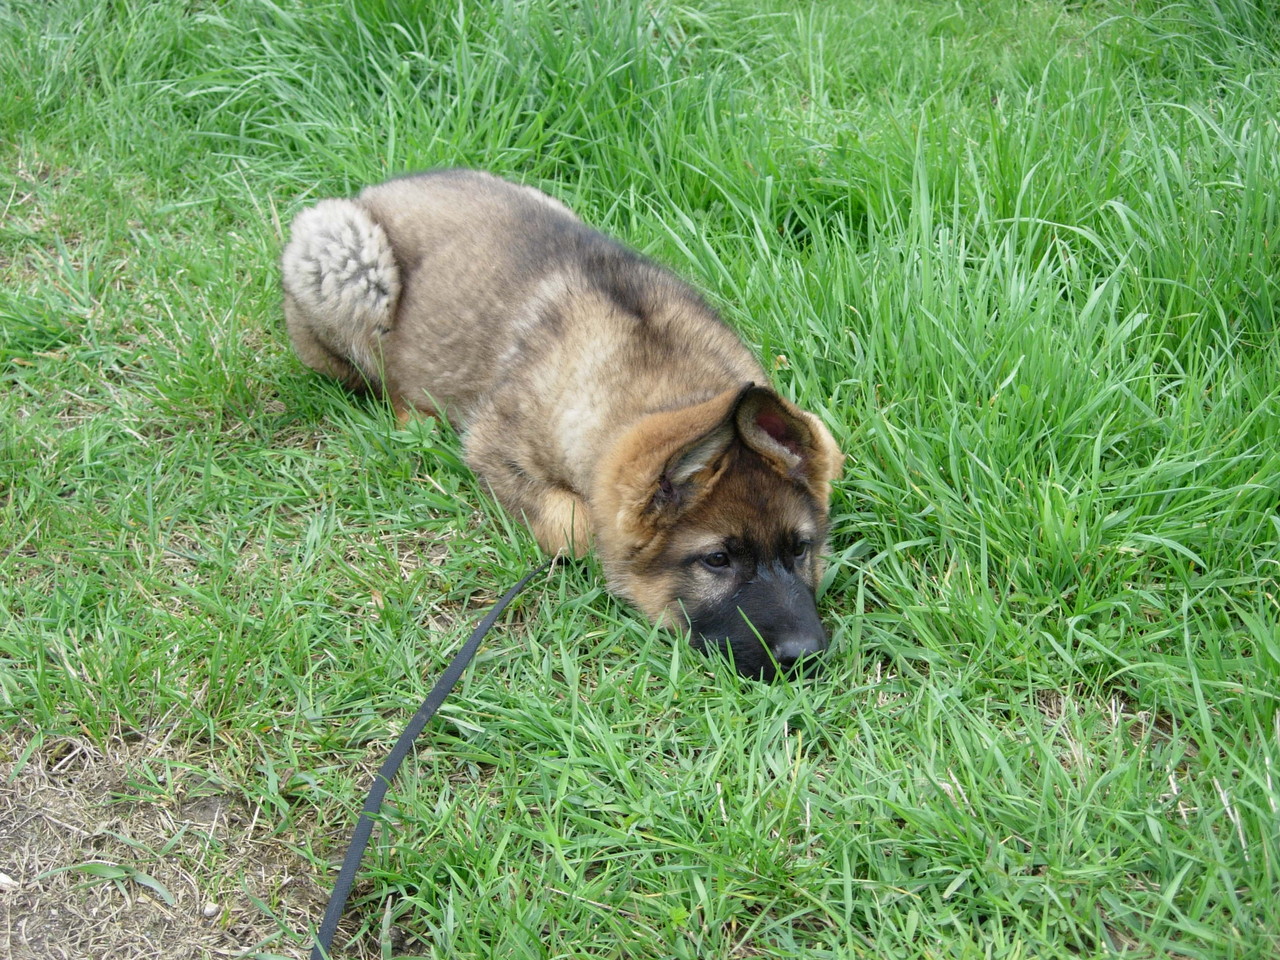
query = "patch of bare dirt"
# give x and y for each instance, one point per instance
(101, 858)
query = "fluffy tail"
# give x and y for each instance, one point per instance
(341, 285)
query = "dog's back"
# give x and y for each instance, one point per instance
(446, 287)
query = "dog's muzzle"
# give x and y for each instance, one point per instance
(768, 627)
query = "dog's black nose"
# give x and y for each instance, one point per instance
(798, 650)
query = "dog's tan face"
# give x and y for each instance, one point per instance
(718, 524)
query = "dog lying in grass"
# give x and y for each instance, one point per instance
(596, 394)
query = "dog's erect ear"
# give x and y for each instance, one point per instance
(689, 470)
(692, 467)
(794, 441)
(661, 466)
(665, 463)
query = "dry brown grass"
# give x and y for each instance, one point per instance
(103, 859)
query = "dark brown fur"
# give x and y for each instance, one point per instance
(597, 395)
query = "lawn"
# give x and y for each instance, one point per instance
(1022, 256)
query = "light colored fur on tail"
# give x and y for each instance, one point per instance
(340, 270)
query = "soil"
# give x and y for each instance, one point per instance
(134, 851)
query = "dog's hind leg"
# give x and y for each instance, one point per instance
(341, 284)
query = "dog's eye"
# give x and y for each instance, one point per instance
(716, 561)
(801, 548)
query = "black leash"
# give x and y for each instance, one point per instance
(382, 779)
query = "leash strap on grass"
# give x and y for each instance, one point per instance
(382, 780)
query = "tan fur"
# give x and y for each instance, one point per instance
(585, 380)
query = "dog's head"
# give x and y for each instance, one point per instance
(714, 517)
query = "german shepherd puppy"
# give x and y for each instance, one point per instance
(596, 394)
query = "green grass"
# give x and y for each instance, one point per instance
(1023, 257)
